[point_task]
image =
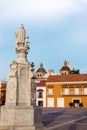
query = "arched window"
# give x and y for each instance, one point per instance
(40, 93)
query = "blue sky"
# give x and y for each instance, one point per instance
(57, 31)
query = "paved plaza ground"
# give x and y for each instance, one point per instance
(65, 118)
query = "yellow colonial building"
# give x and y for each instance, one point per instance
(66, 91)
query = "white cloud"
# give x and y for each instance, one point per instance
(38, 9)
(82, 2)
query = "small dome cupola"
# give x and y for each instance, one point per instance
(65, 70)
(40, 73)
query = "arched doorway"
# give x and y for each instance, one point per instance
(76, 102)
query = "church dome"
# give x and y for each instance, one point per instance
(65, 68)
(41, 69)
(40, 73)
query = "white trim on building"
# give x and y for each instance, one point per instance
(60, 102)
(41, 99)
(50, 102)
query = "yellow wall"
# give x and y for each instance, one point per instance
(57, 90)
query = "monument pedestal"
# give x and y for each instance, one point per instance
(20, 111)
(21, 118)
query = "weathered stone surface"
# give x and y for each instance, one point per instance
(21, 116)
(20, 111)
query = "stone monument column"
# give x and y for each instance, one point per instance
(20, 111)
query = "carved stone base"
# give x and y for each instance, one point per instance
(21, 118)
(21, 128)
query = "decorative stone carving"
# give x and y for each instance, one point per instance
(33, 91)
(20, 111)
(33, 97)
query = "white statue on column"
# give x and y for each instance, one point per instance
(21, 38)
(20, 111)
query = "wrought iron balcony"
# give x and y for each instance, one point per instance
(50, 94)
(73, 93)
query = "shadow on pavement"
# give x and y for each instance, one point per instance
(49, 117)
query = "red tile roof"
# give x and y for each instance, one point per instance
(67, 78)
(40, 90)
(41, 83)
(3, 85)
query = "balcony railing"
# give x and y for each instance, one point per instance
(50, 94)
(73, 93)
